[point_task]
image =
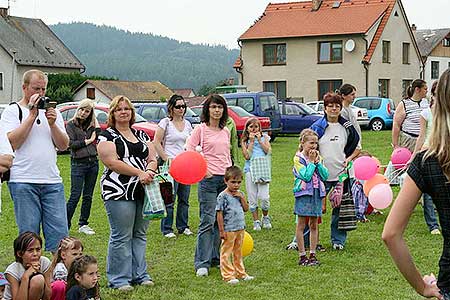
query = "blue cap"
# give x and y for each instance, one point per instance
(3, 280)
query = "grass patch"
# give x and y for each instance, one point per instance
(364, 270)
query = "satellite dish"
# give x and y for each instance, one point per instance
(350, 45)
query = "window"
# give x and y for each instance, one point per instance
(434, 69)
(90, 93)
(246, 103)
(330, 52)
(268, 103)
(68, 114)
(101, 116)
(1, 81)
(293, 110)
(405, 53)
(405, 84)
(276, 87)
(446, 42)
(326, 86)
(274, 54)
(386, 51)
(152, 113)
(383, 88)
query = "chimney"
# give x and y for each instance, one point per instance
(316, 5)
(3, 12)
(413, 27)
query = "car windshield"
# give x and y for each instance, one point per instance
(307, 109)
(240, 111)
(190, 113)
(139, 119)
(196, 110)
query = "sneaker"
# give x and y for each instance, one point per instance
(187, 231)
(248, 278)
(147, 283)
(257, 225)
(170, 235)
(338, 247)
(86, 230)
(233, 281)
(303, 261)
(435, 231)
(202, 272)
(312, 261)
(125, 288)
(292, 246)
(320, 248)
(266, 222)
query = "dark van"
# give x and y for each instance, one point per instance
(262, 104)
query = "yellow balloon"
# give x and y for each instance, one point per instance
(247, 244)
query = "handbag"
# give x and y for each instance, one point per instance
(153, 207)
(260, 169)
(347, 214)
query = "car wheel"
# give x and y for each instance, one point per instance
(376, 125)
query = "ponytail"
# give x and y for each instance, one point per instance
(418, 83)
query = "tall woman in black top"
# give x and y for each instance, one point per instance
(428, 173)
(82, 131)
(129, 158)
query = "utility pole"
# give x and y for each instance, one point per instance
(13, 69)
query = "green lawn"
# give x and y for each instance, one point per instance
(363, 271)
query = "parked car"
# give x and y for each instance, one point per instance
(240, 117)
(362, 115)
(296, 116)
(380, 111)
(155, 111)
(261, 104)
(101, 112)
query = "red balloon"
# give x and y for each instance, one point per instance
(188, 167)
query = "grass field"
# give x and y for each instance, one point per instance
(363, 271)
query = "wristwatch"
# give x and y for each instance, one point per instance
(30, 106)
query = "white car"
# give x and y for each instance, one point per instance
(361, 113)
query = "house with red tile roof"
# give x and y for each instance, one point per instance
(185, 93)
(305, 49)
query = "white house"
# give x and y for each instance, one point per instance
(29, 44)
(434, 46)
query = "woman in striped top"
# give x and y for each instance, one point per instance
(406, 126)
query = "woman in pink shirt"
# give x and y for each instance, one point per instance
(214, 140)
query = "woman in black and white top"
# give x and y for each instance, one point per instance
(406, 126)
(130, 162)
(170, 140)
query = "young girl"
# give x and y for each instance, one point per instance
(82, 281)
(230, 208)
(309, 191)
(28, 276)
(256, 144)
(69, 249)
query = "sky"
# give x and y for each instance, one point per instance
(214, 22)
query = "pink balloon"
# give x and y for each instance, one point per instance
(400, 156)
(380, 196)
(365, 167)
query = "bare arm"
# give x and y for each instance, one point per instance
(6, 161)
(151, 159)
(352, 157)
(394, 229)
(399, 117)
(59, 137)
(18, 136)
(108, 155)
(157, 142)
(219, 217)
(247, 149)
(264, 145)
(47, 288)
(244, 202)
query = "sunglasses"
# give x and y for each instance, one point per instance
(180, 106)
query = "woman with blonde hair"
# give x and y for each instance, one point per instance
(82, 130)
(130, 162)
(428, 173)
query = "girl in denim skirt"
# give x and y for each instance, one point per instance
(309, 190)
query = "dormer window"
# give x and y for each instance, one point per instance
(50, 50)
(446, 42)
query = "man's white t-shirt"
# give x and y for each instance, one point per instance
(331, 147)
(5, 145)
(35, 160)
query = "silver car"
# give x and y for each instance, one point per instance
(361, 113)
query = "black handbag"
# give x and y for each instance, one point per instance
(166, 190)
(347, 213)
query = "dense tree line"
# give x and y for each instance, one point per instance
(122, 54)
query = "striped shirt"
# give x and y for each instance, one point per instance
(411, 125)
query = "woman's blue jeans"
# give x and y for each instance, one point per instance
(83, 180)
(181, 192)
(207, 251)
(127, 243)
(428, 212)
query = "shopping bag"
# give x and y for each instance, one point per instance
(153, 202)
(347, 214)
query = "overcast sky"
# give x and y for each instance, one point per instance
(196, 21)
